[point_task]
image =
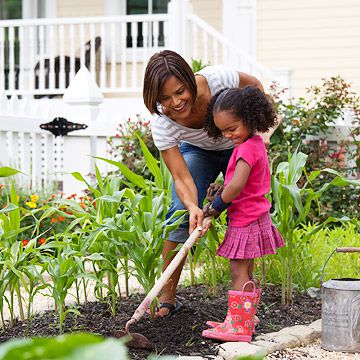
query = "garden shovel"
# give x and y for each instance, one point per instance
(137, 340)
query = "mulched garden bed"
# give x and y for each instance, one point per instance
(179, 334)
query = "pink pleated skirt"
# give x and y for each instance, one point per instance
(251, 241)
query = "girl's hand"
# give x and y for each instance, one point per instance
(209, 211)
(213, 191)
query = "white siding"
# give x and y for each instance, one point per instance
(210, 11)
(71, 8)
(315, 39)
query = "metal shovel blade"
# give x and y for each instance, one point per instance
(135, 340)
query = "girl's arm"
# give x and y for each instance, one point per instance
(231, 190)
(184, 185)
(237, 182)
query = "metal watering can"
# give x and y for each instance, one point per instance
(340, 311)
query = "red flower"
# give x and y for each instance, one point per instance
(61, 218)
(335, 155)
(25, 242)
(53, 220)
(42, 241)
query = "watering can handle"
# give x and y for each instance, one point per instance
(339, 249)
(348, 249)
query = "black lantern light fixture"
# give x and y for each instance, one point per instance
(61, 127)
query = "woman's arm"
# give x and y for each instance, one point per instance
(184, 185)
(246, 79)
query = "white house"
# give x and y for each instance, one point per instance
(46, 42)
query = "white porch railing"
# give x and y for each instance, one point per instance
(40, 57)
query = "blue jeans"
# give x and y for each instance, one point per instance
(204, 167)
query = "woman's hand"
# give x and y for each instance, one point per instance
(196, 219)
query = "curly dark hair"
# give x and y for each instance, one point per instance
(250, 104)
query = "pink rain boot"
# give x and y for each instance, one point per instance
(239, 323)
(258, 293)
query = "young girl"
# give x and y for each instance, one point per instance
(238, 115)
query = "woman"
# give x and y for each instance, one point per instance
(178, 100)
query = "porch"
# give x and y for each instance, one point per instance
(40, 57)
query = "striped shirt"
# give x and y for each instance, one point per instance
(168, 133)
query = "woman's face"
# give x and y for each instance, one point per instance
(231, 127)
(175, 98)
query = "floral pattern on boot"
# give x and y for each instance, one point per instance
(239, 322)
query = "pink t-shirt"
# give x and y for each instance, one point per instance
(251, 203)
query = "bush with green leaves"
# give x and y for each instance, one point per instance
(314, 116)
(125, 147)
(292, 203)
(312, 252)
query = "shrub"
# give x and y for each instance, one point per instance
(306, 123)
(125, 146)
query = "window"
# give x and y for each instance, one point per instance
(145, 7)
(10, 9)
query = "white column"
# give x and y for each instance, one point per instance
(178, 29)
(84, 98)
(239, 24)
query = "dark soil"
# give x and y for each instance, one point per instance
(179, 334)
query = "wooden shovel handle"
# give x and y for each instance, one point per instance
(348, 249)
(159, 284)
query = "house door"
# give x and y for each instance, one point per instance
(136, 7)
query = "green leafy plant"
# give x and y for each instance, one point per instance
(307, 122)
(142, 224)
(125, 147)
(63, 268)
(312, 252)
(80, 346)
(292, 205)
(197, 65)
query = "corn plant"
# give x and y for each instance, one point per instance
(143, 233)
(205, 254)
(100, 234)
(11, 255)
(292, 206)
(143, 226)
(63, 270)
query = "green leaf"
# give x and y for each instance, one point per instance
(9, 207)
(80, 346)
(6, 171)
(79, 177)
(135, 179)
(151, 163)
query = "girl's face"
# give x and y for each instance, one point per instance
(175, 98)
(231, 126)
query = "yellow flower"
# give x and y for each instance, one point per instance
(34, 198)
(31, 204)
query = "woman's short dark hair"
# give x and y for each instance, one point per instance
(250, 104)
(160, 68)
